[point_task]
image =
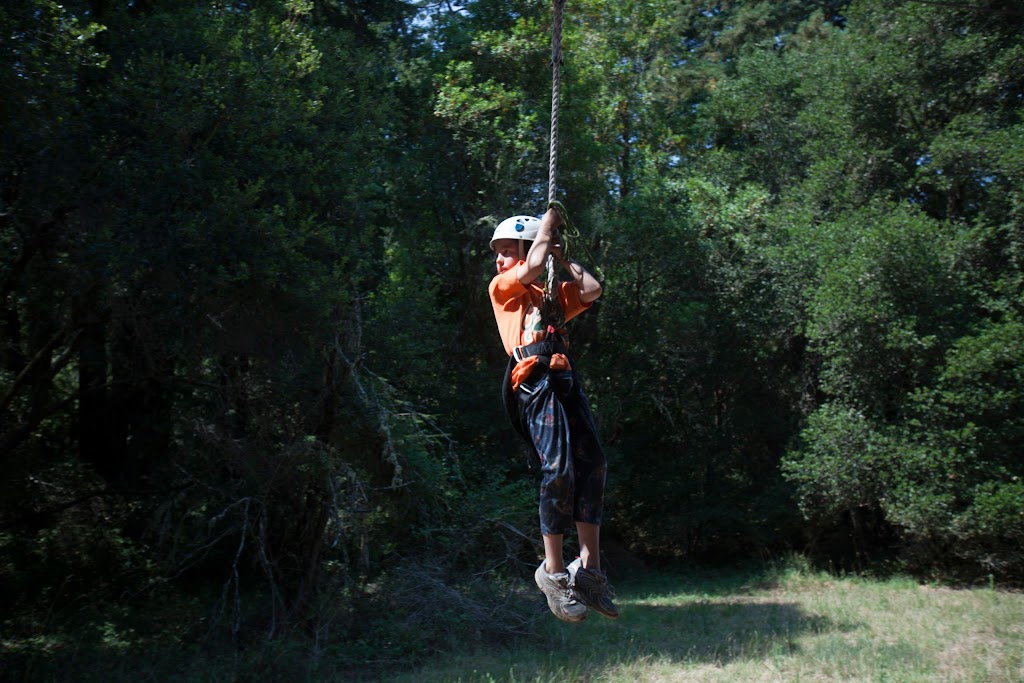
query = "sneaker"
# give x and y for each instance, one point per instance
(560, 599)
(591, 587)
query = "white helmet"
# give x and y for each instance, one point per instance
(522, 228)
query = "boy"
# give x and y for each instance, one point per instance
(548, 407)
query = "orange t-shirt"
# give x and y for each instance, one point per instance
(517, 312)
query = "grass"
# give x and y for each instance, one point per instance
(791, 625)
(787, 624)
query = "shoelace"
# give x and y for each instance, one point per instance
(569, 597)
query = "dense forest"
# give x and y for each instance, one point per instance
(249, 373)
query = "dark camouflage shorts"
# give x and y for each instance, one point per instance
(555, 412)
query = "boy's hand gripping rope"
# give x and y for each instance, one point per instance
(568, 233)
(571, 238)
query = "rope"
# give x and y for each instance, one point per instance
(556, 88)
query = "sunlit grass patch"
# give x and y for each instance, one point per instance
(785, 626)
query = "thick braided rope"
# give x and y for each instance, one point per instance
(556, 88)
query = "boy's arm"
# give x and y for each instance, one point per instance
(590, 288)
(536, 258)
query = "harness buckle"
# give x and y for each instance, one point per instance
(544, 347)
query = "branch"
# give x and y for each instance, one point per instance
(42, 354)
(36, 520)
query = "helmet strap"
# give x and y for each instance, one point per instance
(522, 256)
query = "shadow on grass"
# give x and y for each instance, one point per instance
(705, 581)
(706, 631)
(702, 631)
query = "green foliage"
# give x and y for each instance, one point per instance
(874, 142)
(888, 301)
(946, 476)
(964, 485)
(490, 94)
(490, 117)
(842, 463)
(698, 343)
(198, 369)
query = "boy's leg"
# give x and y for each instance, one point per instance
(590, 544)
(553, 560)
(590, 584)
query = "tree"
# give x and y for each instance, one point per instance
(901, 299)
(184, 389)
